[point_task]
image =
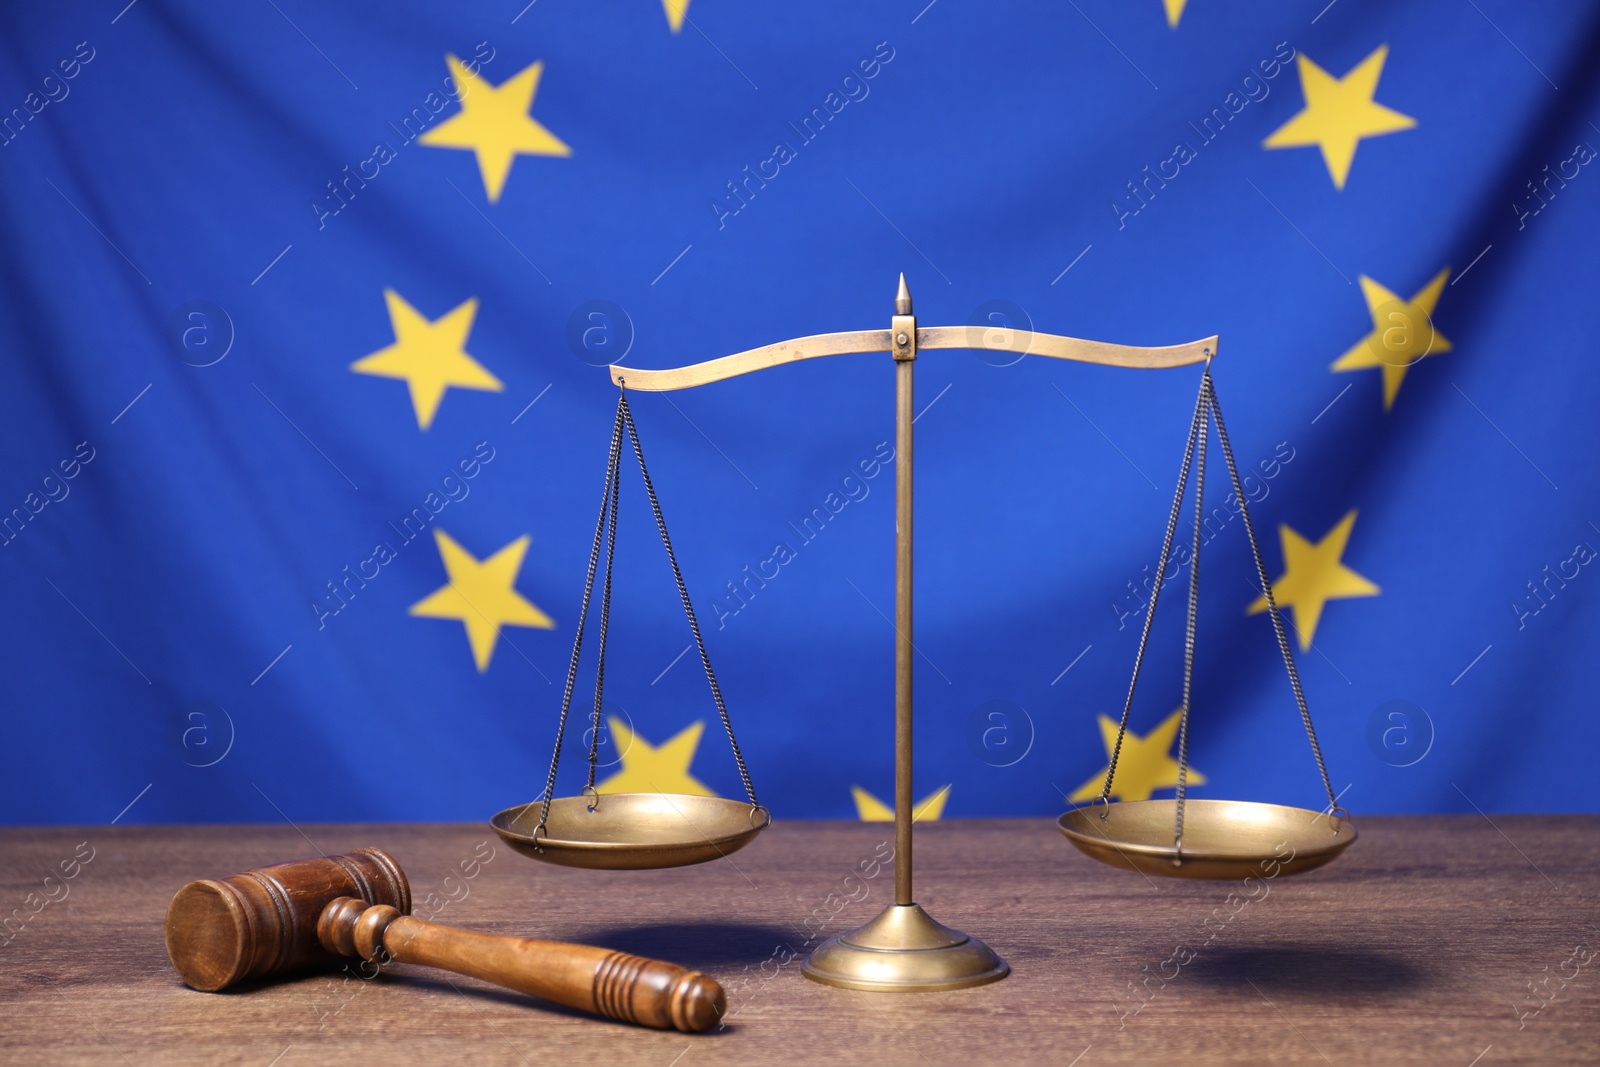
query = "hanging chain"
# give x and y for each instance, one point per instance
(605, 620)
(1202, 433)
(1155, 593)
(683, 592)
(1272, 604)
(612, 475)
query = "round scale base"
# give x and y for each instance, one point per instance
(903, 950)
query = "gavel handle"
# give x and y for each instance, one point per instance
(615, 984)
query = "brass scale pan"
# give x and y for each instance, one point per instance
(639, 831)
(1208, 838)
(632, 831)
(1221, 838)
(629, 831)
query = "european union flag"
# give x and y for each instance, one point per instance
(306, 310)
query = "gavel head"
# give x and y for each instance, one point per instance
(264, 922)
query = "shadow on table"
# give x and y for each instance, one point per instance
(1326, 971)
(697, 945)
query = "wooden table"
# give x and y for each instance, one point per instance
(1418, 946)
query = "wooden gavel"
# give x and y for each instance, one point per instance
(290, 916)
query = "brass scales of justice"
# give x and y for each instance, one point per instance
(904, 948)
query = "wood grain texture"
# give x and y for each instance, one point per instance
(600, 980)
(1416, 947)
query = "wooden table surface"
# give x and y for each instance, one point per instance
(1439, 940)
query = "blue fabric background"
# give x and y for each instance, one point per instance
(186, 553)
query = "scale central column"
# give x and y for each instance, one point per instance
(903, 949)
(903, 335)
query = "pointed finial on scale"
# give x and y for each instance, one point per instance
(902, 298)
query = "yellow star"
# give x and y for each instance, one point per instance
(481, 594)
(1174, 11)
(870, 809)
(676, 10)
(1144, 764)
(429, 356)
(1402, 333)
(494, 122)
(1339, 112)
(1314, 575)
(649, 768)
